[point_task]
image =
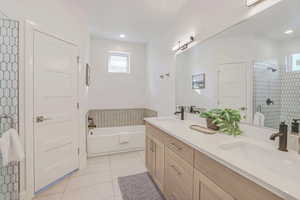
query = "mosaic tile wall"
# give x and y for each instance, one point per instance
(267, 84)
(9, 52)
(290, 96)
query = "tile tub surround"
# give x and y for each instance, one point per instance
(120, 117)
(283, 183)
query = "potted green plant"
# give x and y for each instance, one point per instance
(225, 120)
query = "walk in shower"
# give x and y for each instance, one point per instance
(267, 92)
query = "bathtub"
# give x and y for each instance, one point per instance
(103, 141)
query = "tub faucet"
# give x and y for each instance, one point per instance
(181, 112)
(193, 111)
(283, 136)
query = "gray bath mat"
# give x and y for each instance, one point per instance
(139, 187)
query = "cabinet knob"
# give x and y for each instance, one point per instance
(176, 170)
(177, 147)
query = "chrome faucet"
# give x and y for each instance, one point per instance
(181, 112)
(283, 136)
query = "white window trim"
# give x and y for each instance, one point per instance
(122, 53)
(289, 64)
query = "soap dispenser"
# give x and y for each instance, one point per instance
(295, 127)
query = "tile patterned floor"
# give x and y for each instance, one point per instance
(99, 180)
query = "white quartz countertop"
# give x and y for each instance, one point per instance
(278, 172)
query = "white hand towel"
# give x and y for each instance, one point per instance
(11, 147)
(4, 147)
(16, 152)
(124, 138)
(259, 119)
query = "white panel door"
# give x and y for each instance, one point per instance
(56, 114)
(232, 87)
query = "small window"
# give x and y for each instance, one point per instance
(119, 62)
(293, 62)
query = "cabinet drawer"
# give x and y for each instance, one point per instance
(234, 184)
(181, 149)
(178, 177)
(152, 131)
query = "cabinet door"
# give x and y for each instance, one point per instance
(150, 155)
(178, 177)
(205, 189)
(159, 164)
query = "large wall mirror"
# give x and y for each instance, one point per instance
(253, 67)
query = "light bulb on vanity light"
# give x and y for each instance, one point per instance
(122, 36)
(288, 32)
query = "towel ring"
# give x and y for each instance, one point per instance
(8, 118)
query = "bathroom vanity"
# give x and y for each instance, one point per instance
(188, 165)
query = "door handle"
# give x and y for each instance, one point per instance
(243, 108)
(40, 119)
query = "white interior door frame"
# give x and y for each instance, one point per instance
(249, 87)
(30, 28)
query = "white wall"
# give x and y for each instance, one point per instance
(117, 90)
(160, 93)
(64, 20)
(208, 56)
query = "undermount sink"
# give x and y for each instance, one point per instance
(167, 119)
(272, 160)
(171, 121)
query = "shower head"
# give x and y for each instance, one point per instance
(272, 69)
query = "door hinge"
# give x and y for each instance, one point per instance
(77, 105)
(78, 59)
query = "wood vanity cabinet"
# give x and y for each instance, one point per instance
(183, 173)
(155, 159)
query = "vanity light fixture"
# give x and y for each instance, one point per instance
(250, 3)
(122, 36)
(182, 45)
(288, 32)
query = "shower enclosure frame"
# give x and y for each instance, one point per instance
(255, 108)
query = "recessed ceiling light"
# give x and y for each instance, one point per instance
(122, 36)
(290, 31)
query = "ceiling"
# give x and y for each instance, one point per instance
(143, 20)
(271, 23)
(139, 20)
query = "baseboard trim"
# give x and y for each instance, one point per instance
(25, 196)
(92, 155)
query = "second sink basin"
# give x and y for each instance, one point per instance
(272, 160)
